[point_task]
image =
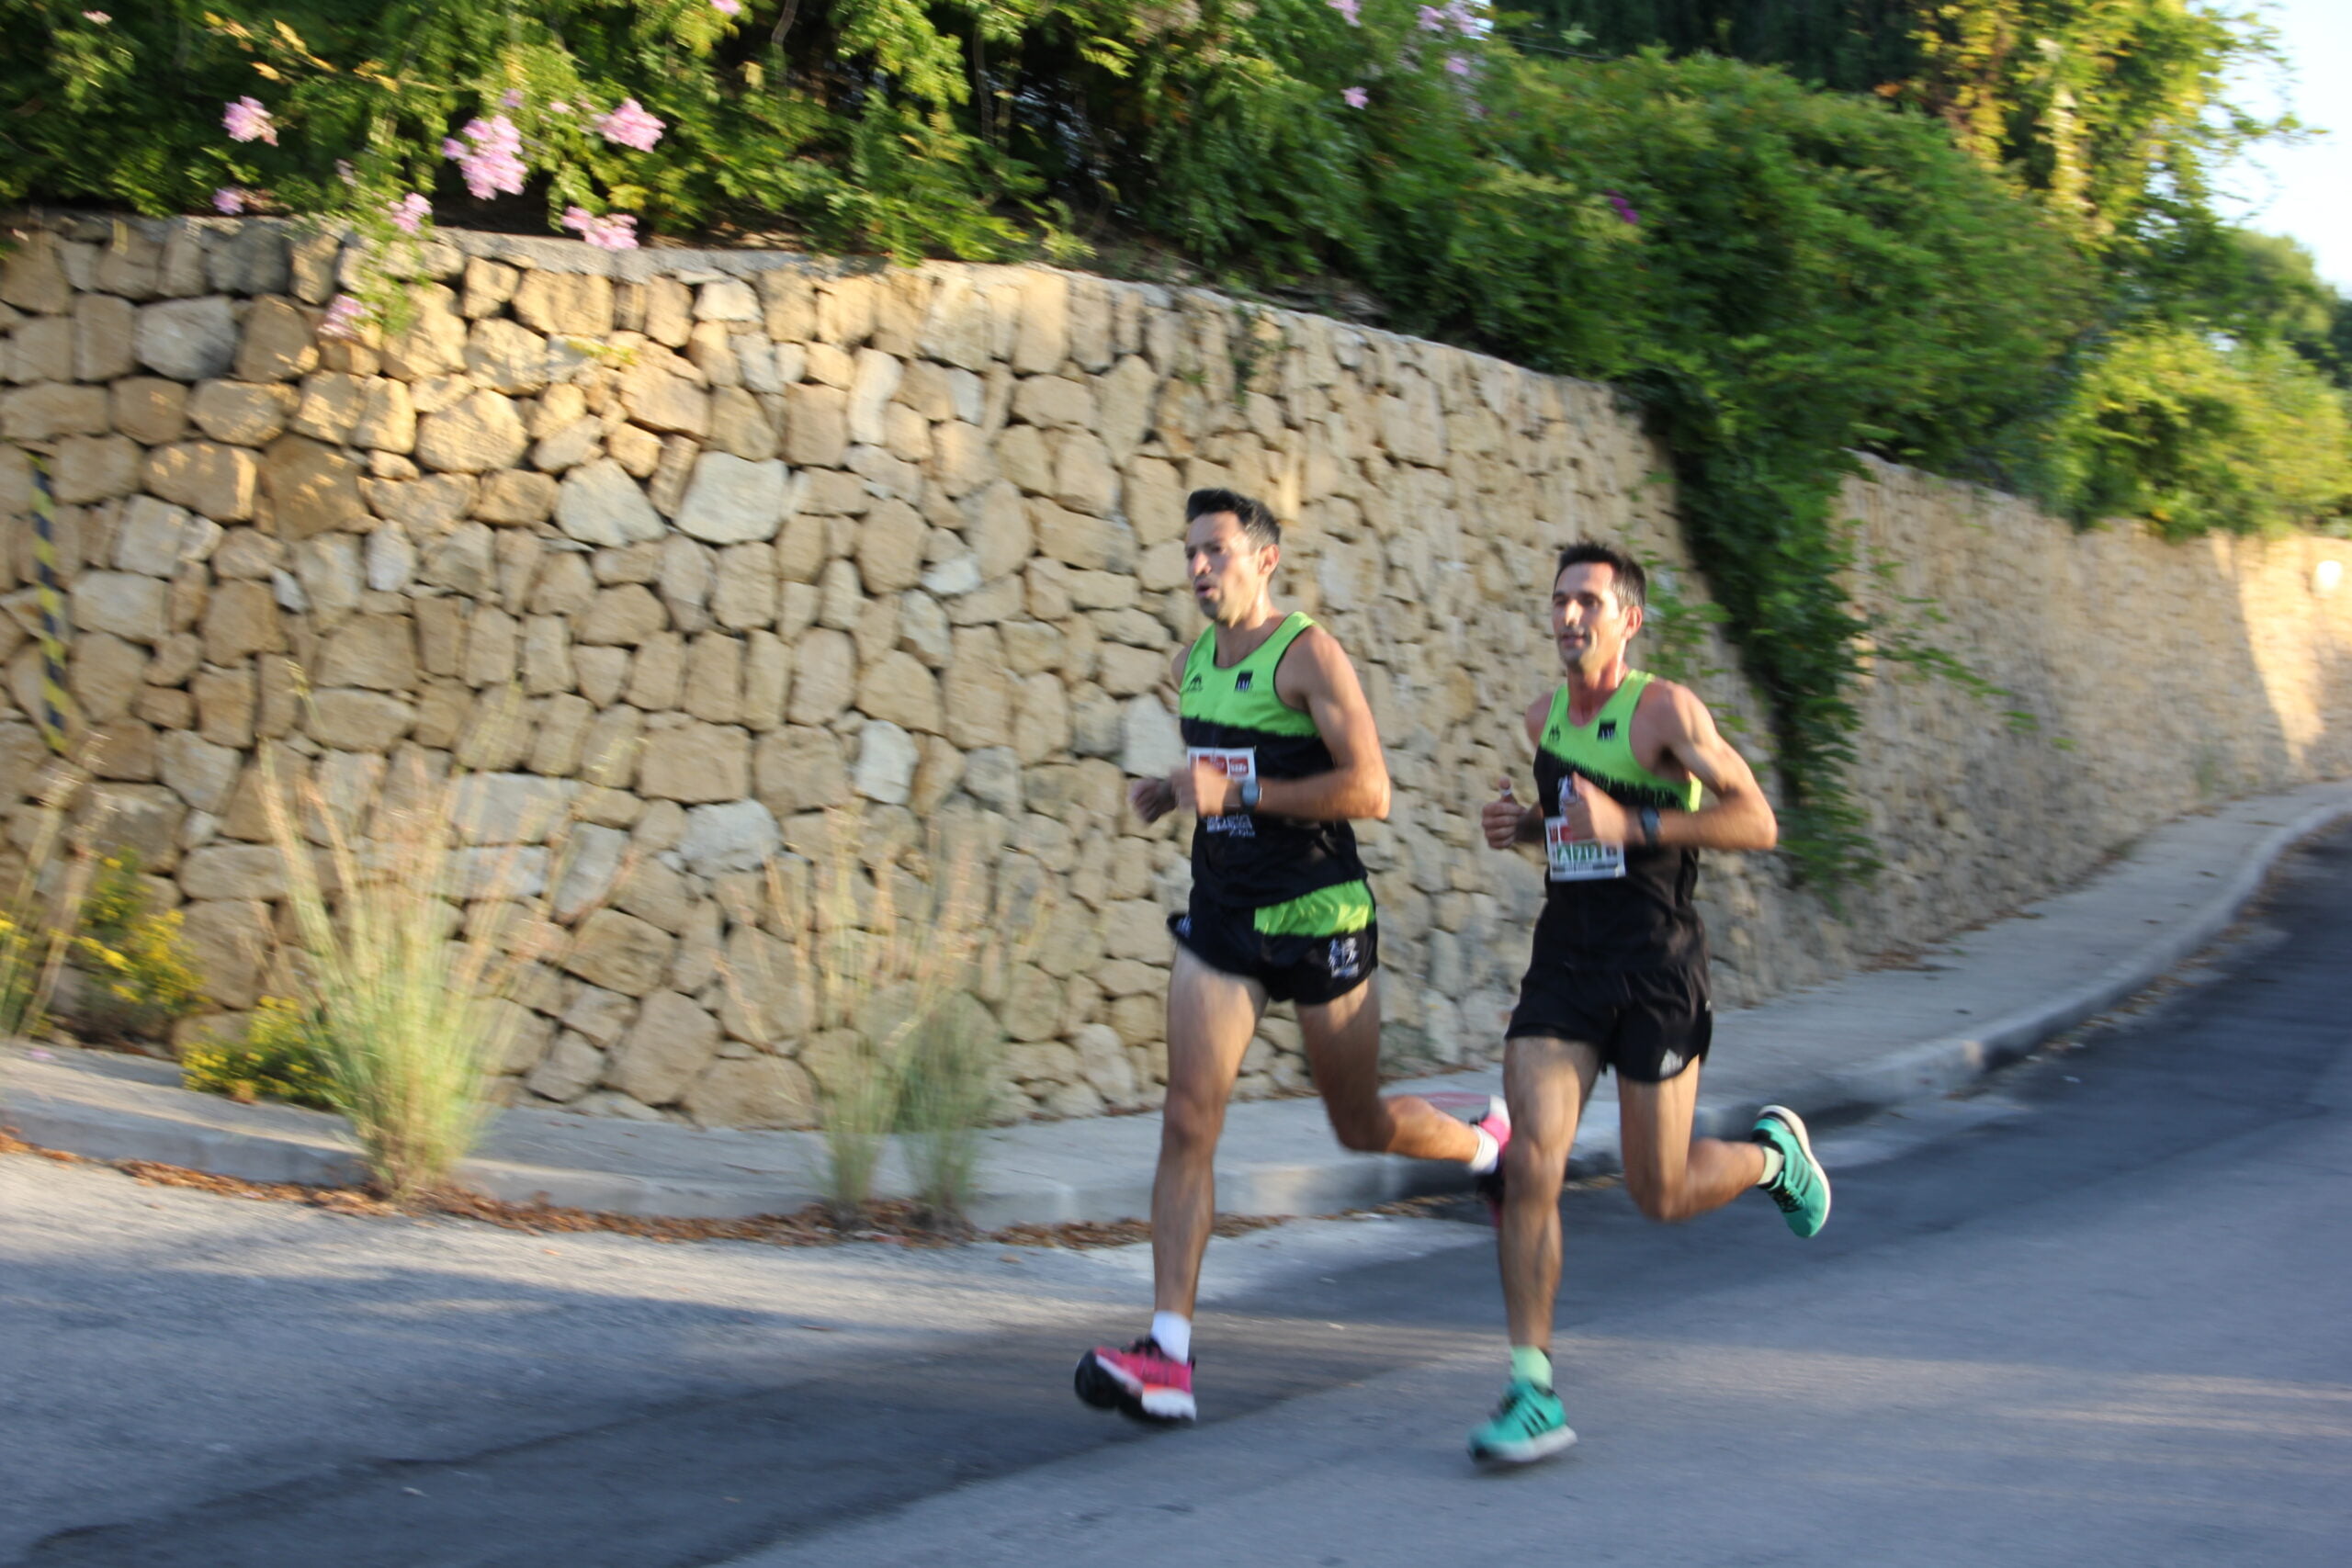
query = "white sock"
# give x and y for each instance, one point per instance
(1773, 1163)
(1172, 1333)
(1489, 1154)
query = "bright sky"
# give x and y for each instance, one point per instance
(2306, 191)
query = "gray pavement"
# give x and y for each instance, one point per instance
(2087, 1311)
(1873, 1039)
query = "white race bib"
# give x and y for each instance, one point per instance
(1238, 763)
(1572, 859)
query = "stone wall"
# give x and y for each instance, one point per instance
(705, 545)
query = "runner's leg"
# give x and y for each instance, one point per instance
(1211, 1016)
(1672, 1176)
(1342, 1040)
(1546, 1083)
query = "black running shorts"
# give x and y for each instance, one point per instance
(1309, 970)
(1648, 1024)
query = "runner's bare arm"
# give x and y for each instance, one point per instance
(1505, 822)
(1315, 674)
(1738, 818)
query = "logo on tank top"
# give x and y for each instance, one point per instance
(1193, 684)
(1608, 730)
(1241, 681)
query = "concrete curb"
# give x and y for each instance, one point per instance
(129, 1109)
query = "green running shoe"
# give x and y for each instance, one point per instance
(1527, 1425)
(1802, 1189)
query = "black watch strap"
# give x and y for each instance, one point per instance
(1650, 825)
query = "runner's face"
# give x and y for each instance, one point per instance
(1229, 573)
(1589, 627)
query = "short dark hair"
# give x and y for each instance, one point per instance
(1631, 582)
(1257, 519)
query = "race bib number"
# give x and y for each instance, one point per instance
(1238, 763)
(1571, 859)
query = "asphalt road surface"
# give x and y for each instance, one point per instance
(2093, 1313)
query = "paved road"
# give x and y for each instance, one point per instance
(2093, 1315)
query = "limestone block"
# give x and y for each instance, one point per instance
(425, 507)
(727, 299)
(1024, 457)
(874, 382)
(1044, 339)
(515, 498)
(997, 527)
(923, 628)
(352, 720)
(992, 777)
(32, 275)
(1150, 743)
(1054, 402)
(1042, 718)
(489, 284)
(887, 756)
(738, 835)
(572, 1067)
(52, 409)
(599, 504)
(41, 349)
(663, 401)
(155, 537)
(477, 434)
(658, 672)
(277, 342)
(697, 763)
(327, 407)
(713, 678)
(1084, 479)
(756, 1091)
(898, 688)
(959, 329)
(103, 677)
(225, 702)
(824, 668)
(671, 1042)
(743, 595)
(239, 619)
(977, 692)
(891, 549)
(250, 258)
(962, 458)
(463, 560)
(312, 486)
(148, 409)
(577, 304)
(95, 468)
(767, 680)
(187, 340)
(569, 445)
(199, 772)
(801, 769)
(434, 343)
(1091, 543)
(234, 872)
(619, 953)
(561, 734)
(609, 757)
(103, 329)
(731, 501)
(816, 426)
(127, 603)
(227, 942)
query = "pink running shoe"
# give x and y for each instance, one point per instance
(1142, 1382)
(1497, 1124)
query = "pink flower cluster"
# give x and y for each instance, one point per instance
(612, 232)
(491, 157)
(344, 317)
(409, 213)
(1351, 9)
(630, 126)
(229, 200)
(248, 121)
(1459, 15)
(728, 7)
(1356, 97)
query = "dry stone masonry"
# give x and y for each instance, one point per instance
(693, 548)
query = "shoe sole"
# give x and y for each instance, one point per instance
(1527, 1452)
(1796, 1123)
(1106, 1388)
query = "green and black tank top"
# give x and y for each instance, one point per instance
(1302, 878)
(1630, 906)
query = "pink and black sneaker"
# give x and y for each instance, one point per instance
(1142, 1382)
(1496, 1123)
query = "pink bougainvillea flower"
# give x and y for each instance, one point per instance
(1351, 9)
(1357, 97)
(614, 231)
(1431, 19)
(452, 148)
(1466, 20)
(492, 160)
(229, 200)
(248, 121)
(1621, 207)
(512, 98)
(630, 126)
(728, 7)
(1458, 63)
(344, 317)
(409, 213)
(559, 107)
(97, 18)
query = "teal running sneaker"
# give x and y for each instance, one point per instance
(1527, 1425)
(1802, 1189)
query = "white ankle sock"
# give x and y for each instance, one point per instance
(1173, 1335)
(1773, 1163)
(1489, 1154)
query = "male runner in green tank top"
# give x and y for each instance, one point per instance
(1618, 973)
(1281, 755)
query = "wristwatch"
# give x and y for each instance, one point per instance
(1249, 794)
(1650, 825)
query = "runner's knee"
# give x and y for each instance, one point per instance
(1362, 1129)
(1656, 1200)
